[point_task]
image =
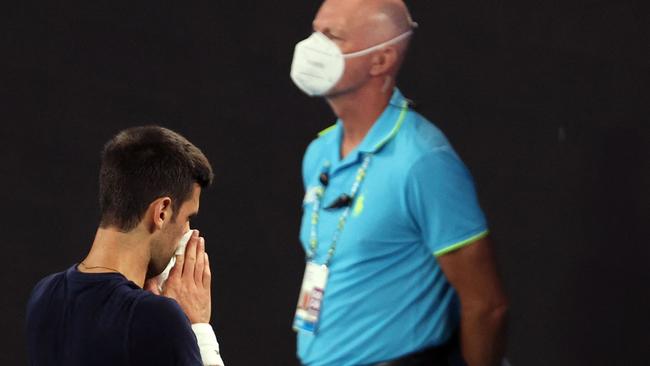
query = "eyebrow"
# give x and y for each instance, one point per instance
(330, 31)
(335, 35)
(192, 215)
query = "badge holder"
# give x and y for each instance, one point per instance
(311, 298)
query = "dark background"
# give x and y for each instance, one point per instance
(546, 101)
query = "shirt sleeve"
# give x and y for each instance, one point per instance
(161, 334)
(442, 201)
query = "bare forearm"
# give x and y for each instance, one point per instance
(483, 336)
(472, 271)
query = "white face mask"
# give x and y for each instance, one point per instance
(318, 63)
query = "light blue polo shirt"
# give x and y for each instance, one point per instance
(386, 295)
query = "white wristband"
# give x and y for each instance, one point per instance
(208, 344)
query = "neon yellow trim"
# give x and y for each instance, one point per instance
(461, 244)
(326, 131)
(396, 128)
(358, 207)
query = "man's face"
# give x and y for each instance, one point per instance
(341, 22)
(166, 242)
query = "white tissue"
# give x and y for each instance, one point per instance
(180, 250)
(183, 243)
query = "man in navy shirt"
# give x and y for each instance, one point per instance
(96, 312)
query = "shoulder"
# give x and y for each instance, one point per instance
(159, 311)
(159, 323)
(421, 145)
(421, 135)
(44, 287)
(319, 148)
(41, 294)
(428, 156)
(48, 281)
(322, 141)
(440, 165)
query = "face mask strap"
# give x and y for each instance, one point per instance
(379, 46)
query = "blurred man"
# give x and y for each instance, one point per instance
(398, 257)
(96, 312)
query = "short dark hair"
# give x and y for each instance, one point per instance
(142, 164)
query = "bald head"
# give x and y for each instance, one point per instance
(367, 22)
(388, 18)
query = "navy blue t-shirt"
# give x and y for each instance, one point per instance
(76, 318)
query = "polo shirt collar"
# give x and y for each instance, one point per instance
(382, 131)
(384, 128)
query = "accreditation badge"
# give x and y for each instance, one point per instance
(311, 297)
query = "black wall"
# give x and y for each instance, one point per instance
(546, 101)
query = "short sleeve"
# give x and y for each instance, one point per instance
(442, 201)
(161, 334)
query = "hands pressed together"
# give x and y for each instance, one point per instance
(189, 281)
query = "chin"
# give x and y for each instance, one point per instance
(340, 90)
(153, 270)
(333, 94)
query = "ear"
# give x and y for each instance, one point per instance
(383, 61)
(160, 212)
